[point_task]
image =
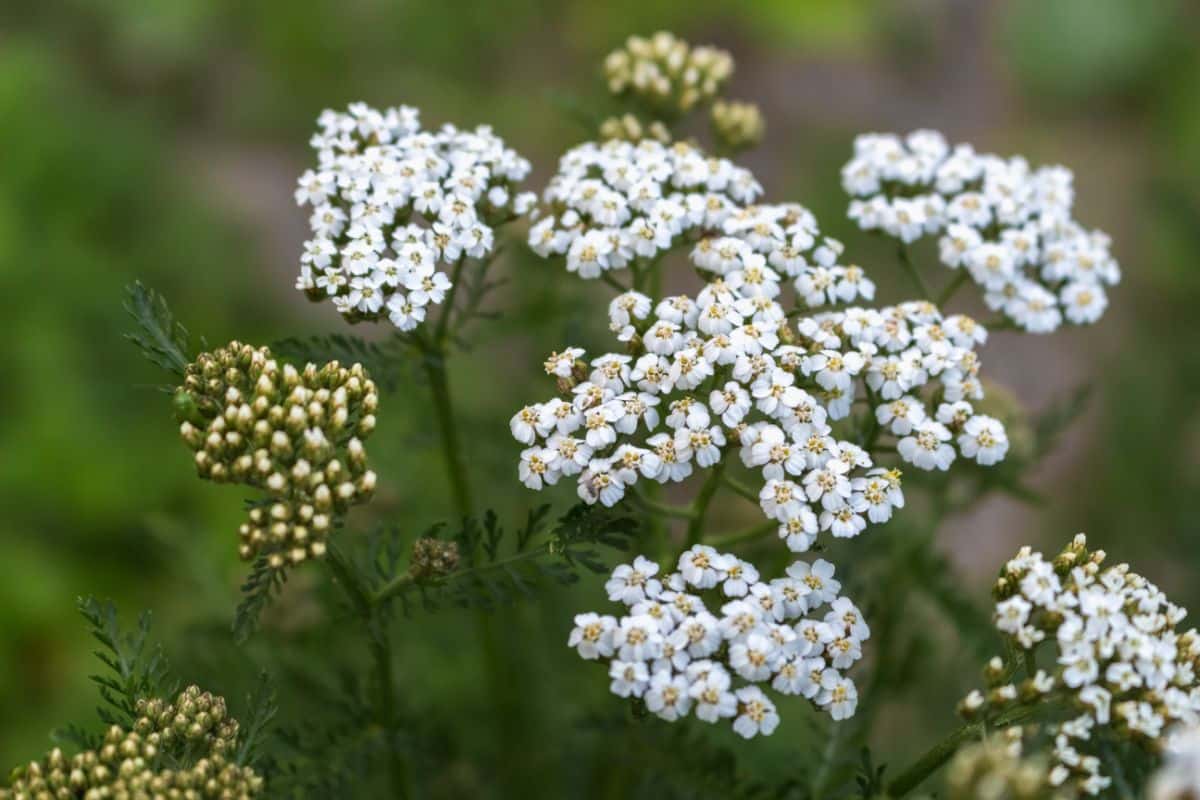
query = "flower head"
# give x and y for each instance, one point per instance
(1009, 226)
(679, 657)
(391, 203)
(1117, 663)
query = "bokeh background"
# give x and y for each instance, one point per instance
(160, 141)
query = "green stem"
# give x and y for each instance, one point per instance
(381, 653)
(906, 262)
(401, 582)
(434, 363)
(952, 288)
(695, 528)
(443, 325)
(762, 529)
(613, 282)
(1000, 324)
(933, 759)
(381, 656)
(740, 488)
(681, 512)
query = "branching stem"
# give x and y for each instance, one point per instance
(695, 529)
(952, 288)
(739, 488)
(913, 272)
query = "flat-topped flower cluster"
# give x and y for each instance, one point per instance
(392, 203)
(1121, 667)
(679, 657)
(622, 206)
(1009, 226)
(704, 380)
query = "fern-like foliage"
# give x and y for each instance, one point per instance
(261, 586)
(679, 761)
(497, 567)
(261, 707)
(492, 575)
(163, 340)
(135, 668)
(387, 361)
(332, 758)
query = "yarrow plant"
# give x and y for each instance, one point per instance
(677, 656)
(1002, 223)
(1121, 669)
(391, 203)
(769, 371)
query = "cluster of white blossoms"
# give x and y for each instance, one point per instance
(392, 202)
(1179, 777)
(1121, 668)
(1008, 225)
(726, 371)
(621, 205)
(679, 657)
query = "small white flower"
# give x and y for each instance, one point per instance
(629, 678)
(755, 713)
(592, 635)
(632, 584)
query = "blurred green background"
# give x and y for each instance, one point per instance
(159, 140)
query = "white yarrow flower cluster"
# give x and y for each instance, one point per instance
(679, 656)
(709, 375)
(1008, 225)
(391, 203)
(619, 205)
(1121, 667)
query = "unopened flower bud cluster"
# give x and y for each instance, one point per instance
(738, 125)
(1179, 776)
(180, 749)
(1008, 225)
(432, 558)
(627, 127)
(666, 73)
(998, 769)
(706, 638)
(1121, 667)
(296, 434)
(392, 203)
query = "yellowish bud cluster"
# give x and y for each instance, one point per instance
(180, 749)
(296, 434)
(629, 128)
(666, 72)
(996, 769)
(738, 125)
(432, 558)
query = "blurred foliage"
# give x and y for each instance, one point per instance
(158, 141)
